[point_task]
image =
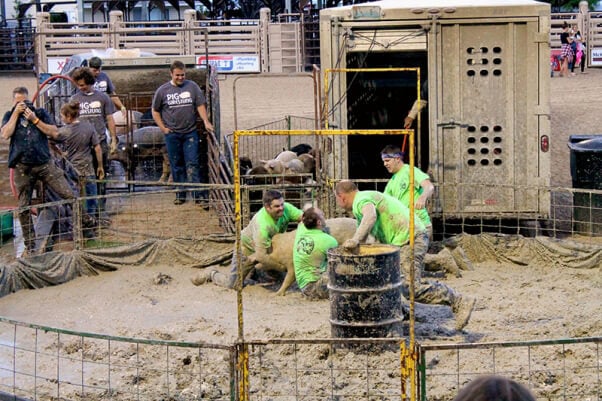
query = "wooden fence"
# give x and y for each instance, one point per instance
(589, 24)
(231, 45)
(288, 45)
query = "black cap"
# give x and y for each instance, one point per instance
(95, 62)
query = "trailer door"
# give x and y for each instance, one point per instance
(486, 141)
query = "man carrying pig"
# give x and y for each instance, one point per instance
(388, 220)
(256, 239)
(312, 243)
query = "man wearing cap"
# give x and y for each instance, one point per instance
(104, 84)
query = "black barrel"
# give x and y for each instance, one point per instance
(586, 171)
(365, 292)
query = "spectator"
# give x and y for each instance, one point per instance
(28, 129)
(494, 388)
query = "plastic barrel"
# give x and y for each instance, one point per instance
(6, 224)
(586, 172)
(365, 292)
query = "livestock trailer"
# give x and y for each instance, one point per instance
(484, 67)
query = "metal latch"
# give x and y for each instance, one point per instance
(451, 124)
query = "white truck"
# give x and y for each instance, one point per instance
(485, 133)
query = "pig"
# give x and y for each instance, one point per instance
(120, 122)
(342, 228)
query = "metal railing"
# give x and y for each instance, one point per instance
(17, 46)
(40, 362)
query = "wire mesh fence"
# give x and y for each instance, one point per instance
(141, 210)
(42, 363)
(568, 369)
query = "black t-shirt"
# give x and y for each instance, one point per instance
(28, 145)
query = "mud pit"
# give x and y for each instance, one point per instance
(515, 303)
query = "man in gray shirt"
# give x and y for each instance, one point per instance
(175, 107)
(97, 108)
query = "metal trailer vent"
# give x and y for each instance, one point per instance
(484, 143)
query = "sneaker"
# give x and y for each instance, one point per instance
(203, 277)
(178, 201)
(462, 308)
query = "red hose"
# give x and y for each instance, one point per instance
(11, 171)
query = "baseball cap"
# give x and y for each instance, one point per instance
(95, 62)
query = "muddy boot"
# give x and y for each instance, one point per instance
(203, 277)
(442, 261)
(462, 308)
(461, 259)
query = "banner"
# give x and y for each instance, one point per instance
(232, 63)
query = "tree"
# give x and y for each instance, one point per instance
(569, 5)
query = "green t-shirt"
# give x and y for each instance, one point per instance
(392, 224)
(399, 188)
(262, 227)
(310, 254)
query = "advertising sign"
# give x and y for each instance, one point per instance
(56, 64)
(232, 63)
(596, 57)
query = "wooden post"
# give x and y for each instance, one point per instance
(264, 24)
(43, 26)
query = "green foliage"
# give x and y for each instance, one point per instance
(568, 5)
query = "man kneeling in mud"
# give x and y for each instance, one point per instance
(256, 239)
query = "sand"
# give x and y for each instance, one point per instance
(514, 303)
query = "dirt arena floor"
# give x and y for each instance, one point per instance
(515, 302)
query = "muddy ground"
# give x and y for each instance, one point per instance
(515, 302)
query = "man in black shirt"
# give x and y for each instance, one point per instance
(28, 129)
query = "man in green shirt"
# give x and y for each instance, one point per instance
(256, 239)
(388, 220)
(310, 249)
(399, 184)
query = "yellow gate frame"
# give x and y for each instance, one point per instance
(408, 356)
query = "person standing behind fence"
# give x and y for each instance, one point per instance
(96, 108)
(566, 53)
(77, 138)
(28, 129)
(494, 388)
(175, 107)
(579, 50)
(104, 84)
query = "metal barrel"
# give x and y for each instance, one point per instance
(365, 292)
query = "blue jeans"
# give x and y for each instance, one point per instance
(183, 152)
(91, 190)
